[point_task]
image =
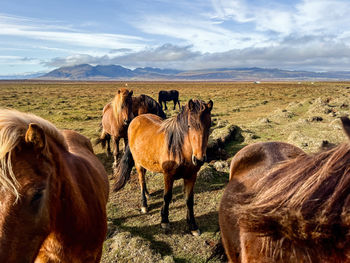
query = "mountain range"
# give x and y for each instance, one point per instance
(116, 72)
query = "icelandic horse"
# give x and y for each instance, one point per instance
(175, 147)
(53, 193)
(283, 205)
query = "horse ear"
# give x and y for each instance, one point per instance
(191, 105)
(118, 91)
(346, 125)
(35, 136)
(210, 105)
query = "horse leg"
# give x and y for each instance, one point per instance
(108, 139)
(178, 102)
(141, 173)
(116, 151)
(189, 196)
(174, 104)
(168, 194)
(165, 107)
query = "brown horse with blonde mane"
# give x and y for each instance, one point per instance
(116, 116)
(53, 193)
(175, 147)
(297, 210)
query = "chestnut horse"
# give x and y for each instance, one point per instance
(53, 193)
(175, 147)
(116, 117)
(297, 210)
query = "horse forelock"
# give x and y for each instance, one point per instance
(13, 126)
(176, 128)
(303, 205)
(120, 100)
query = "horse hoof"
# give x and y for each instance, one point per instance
(143, 210)
(196, 233)
(165, 226)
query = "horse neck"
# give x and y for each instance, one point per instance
(66, 195)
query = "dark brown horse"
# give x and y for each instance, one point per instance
(145, 104)
(164, 96)
(296, 210)
(116, 117)
(53, 193)
(175, 147)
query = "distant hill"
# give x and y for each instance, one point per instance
(116, 72)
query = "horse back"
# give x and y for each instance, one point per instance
(146, 141)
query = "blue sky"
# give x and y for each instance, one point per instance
(41, 35)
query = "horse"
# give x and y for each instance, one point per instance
(145, 104)
(116, 116)
(283, 205)
(53, 193)
(164, 96)
(175, 147)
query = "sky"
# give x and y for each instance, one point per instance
(41, 35)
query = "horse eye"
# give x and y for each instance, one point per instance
(36, 197)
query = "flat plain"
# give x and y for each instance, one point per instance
(305, 114)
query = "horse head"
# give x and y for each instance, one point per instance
(123, 103)
(199, 121)
(26, 170)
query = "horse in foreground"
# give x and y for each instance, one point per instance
(164, 96)
(53, 193)
(282, 205)
(175, 147)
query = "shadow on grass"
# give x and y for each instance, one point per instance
(207, 223)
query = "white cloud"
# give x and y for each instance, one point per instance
(31, 29)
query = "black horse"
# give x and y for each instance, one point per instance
(165, 96)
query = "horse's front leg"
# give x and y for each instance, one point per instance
(168, 194)
(116, 151)
(165, 107)
(189, 196)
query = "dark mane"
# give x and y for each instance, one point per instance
(152, 106)
(176, 128)
(302, 207)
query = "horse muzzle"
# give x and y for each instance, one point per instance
(198, 162)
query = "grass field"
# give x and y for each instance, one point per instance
(304, 114)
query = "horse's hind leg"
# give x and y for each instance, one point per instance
(189, 196)
(174, 103)
(141, 173)
(165, 107)
(178, 102)
(168, 194)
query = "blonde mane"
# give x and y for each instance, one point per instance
(13, 126)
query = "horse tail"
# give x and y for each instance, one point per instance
(103, 139)
(124, 169)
